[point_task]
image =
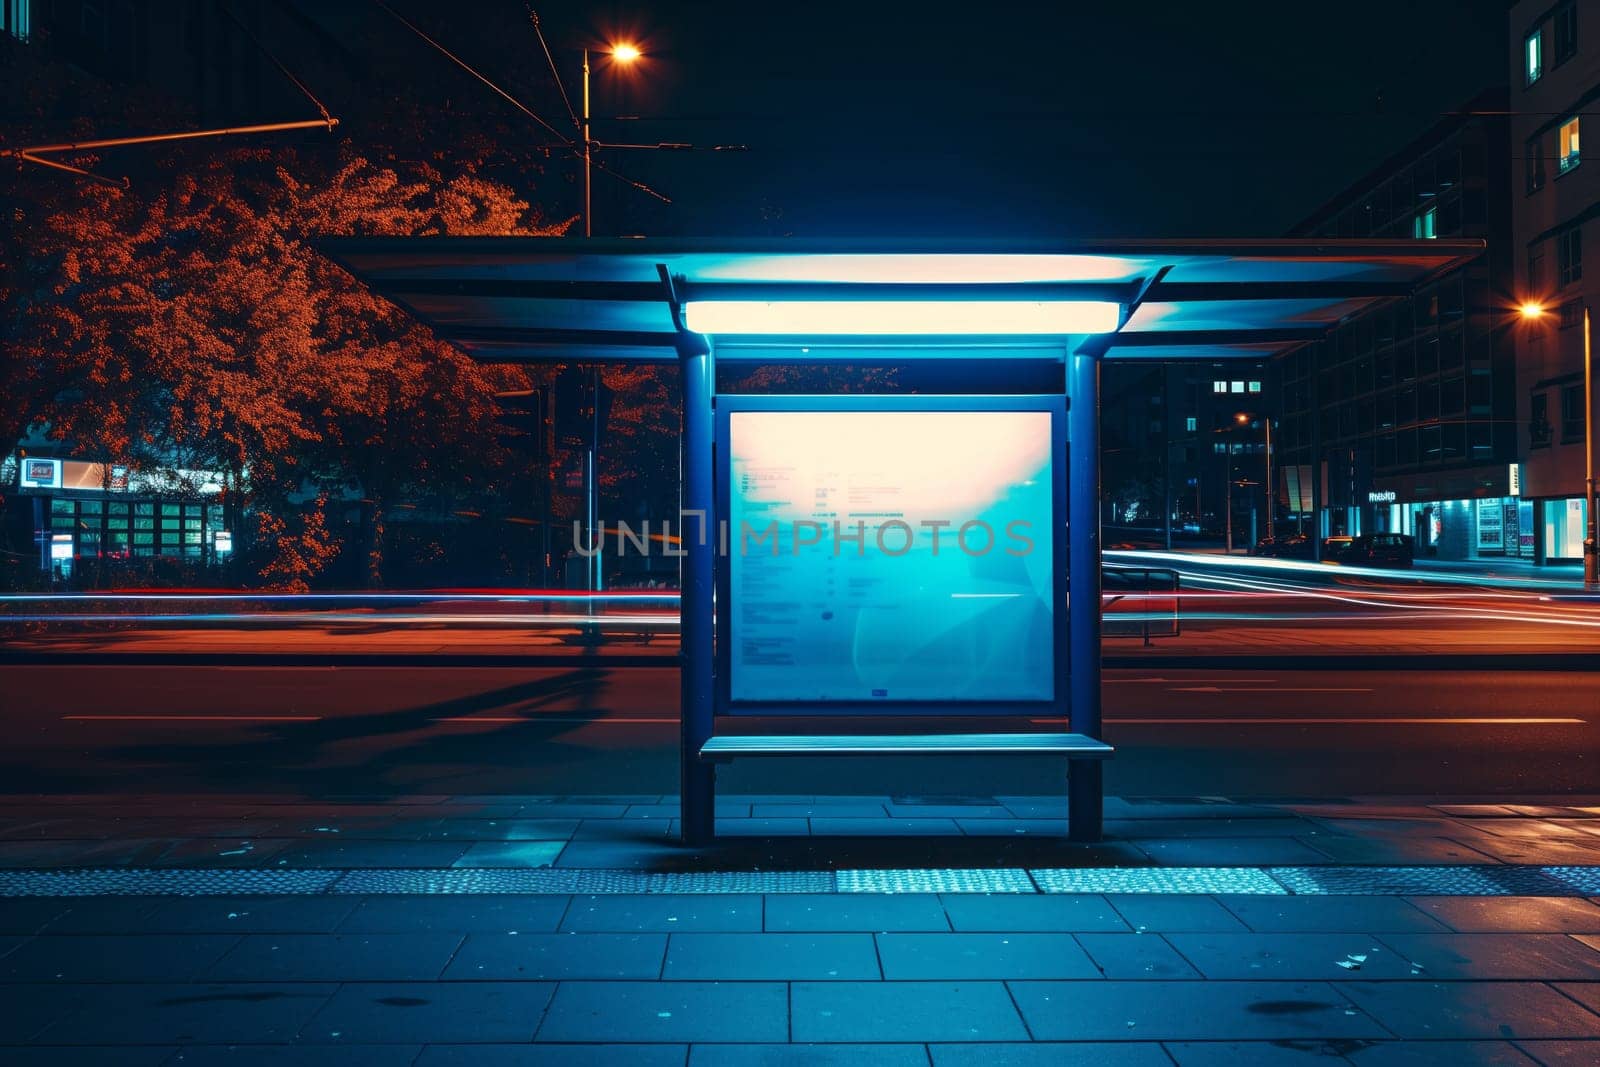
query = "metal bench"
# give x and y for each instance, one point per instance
(724, 747)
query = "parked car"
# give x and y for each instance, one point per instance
(1292, 546)
(1371, 550)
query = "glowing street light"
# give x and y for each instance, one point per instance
(621, 53)
(1533, 310)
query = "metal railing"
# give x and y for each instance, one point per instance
(1150, 595)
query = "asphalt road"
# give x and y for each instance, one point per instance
(339, 731)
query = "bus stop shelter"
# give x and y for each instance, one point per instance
(991, 308)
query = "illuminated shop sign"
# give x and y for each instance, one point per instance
(41, 474)
(1381, 496)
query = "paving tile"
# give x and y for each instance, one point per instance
(1216, 828)
(1401, 851)
(664, 913)
(294, 1056)
(247, 915)
(572, 810)
(1143, 956)
(848, 912)
(1431, 1053)
(752, 1012)
(429, 1012)
(904, 1011)
(105, 1056)
(949, 811)
(118, 853)
(372, 854)
(763, 827)
(1454, 1010)
(1513, 914)
(771, 957)
(511, 854)
(627, 852)
(1048, 1054)
(1013, 827)
(503, 830)
(1292, 1052)
(34, 1006)
(185, 1014)
(883, 827)
(997, 956)
(1230, 851)
(1161, 914)
(468, 912)
(105, 915)
(807, 1056)
(1585, 993)
(413, 957)
(1374, 915)
(27, 914)
(1290, 957)
(855, 810)
(558, 956)
(1562, 1053)
(1063, 913)
(1188, 1011)
(1527, 850)
(114, 958)
(552, 1056)
(1539, 957)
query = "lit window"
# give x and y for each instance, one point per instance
(1236, 387)
(1534, 49)
(1568, 157)
(1426, 224)
(1190, 424)
(1219, 447)
(1255, 387)
(15, 18)
(1219, 387)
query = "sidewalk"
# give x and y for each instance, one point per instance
(876, 930)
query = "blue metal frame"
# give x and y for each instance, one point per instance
(1054, 405)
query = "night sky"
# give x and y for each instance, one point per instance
(1005, 120)
(991, 119)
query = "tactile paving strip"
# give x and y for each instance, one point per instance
(1585, 880)
(948, 880)
(1157, 880)
(581, 880)
(1480, 880)
(121, 881)
(1477, 881)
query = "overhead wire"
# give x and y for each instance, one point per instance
(569, 144)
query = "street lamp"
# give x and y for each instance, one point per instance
(1532, 310)
(621, 53)
(1244, 418)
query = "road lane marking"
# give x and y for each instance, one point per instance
(1343, 721)
(458, 720)
(1274, 689)
(191, 718)
(1163, 681)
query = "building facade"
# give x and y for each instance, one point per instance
(1555, 79)
(1403, 419)
(1185, 450)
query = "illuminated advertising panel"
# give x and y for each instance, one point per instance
(891, 557)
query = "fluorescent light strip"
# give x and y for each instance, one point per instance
(859, 318)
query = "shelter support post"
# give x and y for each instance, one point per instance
(1085, 778)
(698, 530)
